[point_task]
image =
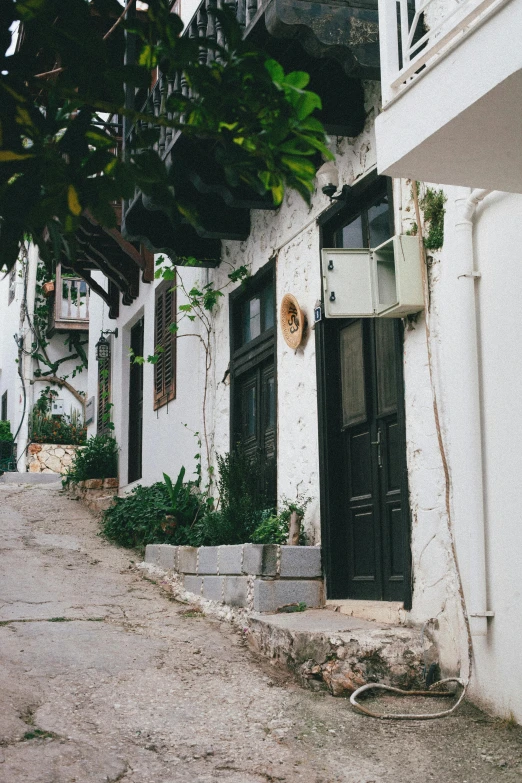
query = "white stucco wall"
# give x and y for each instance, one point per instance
(291, 236)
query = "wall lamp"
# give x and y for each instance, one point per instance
(328, 180)
(103, 346)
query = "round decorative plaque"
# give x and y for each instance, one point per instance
(293, 321)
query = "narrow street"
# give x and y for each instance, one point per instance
(103, 678)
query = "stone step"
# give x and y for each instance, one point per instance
(329, 650)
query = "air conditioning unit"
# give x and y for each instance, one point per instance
(381, 282)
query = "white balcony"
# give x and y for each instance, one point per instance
(70, 310)
(451, 76)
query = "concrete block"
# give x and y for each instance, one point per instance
(187, 559)
(236, 590)
(152, 552)
(230, 559)
(300, 562)
(271, 595)
(193, 584)
(213, 588)
(207, 560)
(260, 559)
(168, 556)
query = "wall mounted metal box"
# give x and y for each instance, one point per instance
(385, 281)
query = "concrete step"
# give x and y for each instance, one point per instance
(390, 612)
(327, 649)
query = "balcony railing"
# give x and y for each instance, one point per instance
(413, 40)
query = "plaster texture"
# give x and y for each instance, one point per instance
(102, 678)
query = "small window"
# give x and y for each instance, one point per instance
(4, 406)
(370, 228)
(165, 340)
(257, 315)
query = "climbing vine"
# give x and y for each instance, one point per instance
(46, 368)
(201, 301)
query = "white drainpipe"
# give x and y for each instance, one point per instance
(471, 493)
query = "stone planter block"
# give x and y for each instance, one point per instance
(213, 588)
(300, 562)
(152, 553)
(207, 560)
(187, 559)
(167, 557)
(271, 595)
(236, 590)
(230, 559)
(260, 559)
(111, 483)
(193, 584)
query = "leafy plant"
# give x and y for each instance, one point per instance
(97, 459)
(57, 155)
(66, 430)
(273, 528)
(241, 498)
(5, 430)
(160, 513)
(432, 205)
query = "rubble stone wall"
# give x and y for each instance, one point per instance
(49, 457)
(259, 577)
(96, 494)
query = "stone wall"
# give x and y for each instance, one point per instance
(96, 494)
(260, 577)
(49, 457)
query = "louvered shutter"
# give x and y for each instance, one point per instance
(104, 387)
(165, 367)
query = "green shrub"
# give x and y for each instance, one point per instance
(148, 515)
(241, 498)
(97, 459)
(5, 430)
(273, 528)
(67, 430)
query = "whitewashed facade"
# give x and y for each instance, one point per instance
(443, 523)
(20, 385)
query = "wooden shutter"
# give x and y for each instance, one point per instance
(104, 396)
(165, 367)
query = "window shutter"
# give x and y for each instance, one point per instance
(165, 367)
(104, 391)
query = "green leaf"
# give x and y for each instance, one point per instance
(297, 79)
(275, 70)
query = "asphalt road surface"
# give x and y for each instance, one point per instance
(103, 678)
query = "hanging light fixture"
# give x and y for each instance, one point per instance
(328, 180)
(103, 346)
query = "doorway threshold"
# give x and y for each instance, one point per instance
(389, 612)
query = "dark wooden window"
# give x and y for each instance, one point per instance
(4, 406)
(104, 397)
(165, 339)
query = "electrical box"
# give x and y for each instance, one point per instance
(385, 281)
(57, 407)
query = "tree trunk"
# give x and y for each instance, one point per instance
(294, 528)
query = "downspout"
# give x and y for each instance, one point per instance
(468, 411)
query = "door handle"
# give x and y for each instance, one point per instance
(378, 444)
